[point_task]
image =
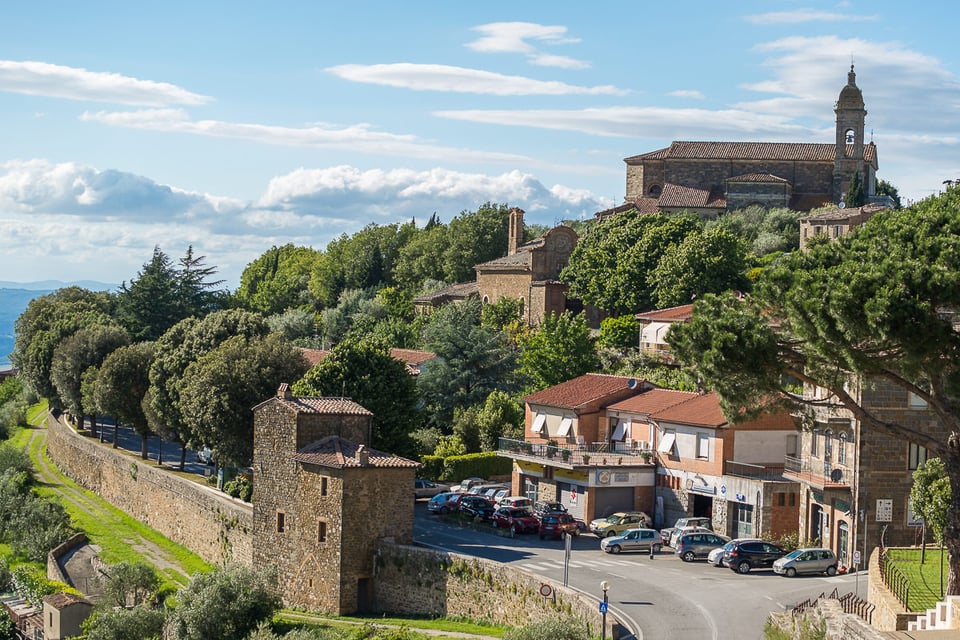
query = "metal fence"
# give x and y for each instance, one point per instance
(850, 602)
(896, 582)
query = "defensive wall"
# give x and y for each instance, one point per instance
(210, 523)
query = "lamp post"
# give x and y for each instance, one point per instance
(603, 610)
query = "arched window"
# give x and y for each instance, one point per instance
(815, 443)
(486, 300)
(655, 190)
(842, 449)
(850, 136)
(827, 444)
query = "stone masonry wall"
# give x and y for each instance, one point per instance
(414, 580)
(213, 525)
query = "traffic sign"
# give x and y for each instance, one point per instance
(856, 558)
(603, 607)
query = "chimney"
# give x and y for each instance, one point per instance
(515, 237)
(284, 391)
(363, 456)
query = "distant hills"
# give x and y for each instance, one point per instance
(14, 298)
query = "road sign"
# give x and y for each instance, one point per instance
(884, 510)
(546, 590)
(603, 607)
(856, 558)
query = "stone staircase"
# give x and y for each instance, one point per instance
(946, 615)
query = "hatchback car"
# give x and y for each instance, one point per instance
(515, 519)
(807, 561)
(744, 556)
(541, 507)
(556, 524)
(618, 523)
(691, 546)
(476, 507)
(446, 502)
(666, 532)
(520, 502)
(675, 536)
(633, 540)
(715, 557)
(427, 489)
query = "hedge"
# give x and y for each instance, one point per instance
(455, 468)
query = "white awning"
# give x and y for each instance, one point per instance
(538, 423)
(666, 443)
(655, 332)
(622, 430)
(564, 429)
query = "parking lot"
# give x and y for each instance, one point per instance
(659, 598)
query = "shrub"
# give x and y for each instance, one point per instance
(239, 487)
(549, 629)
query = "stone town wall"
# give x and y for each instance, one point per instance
(213, 525)
(888, 614)
(414, 580)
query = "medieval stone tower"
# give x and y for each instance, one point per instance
(323, 500)
(851, 118)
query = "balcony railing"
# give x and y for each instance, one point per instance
(750, 470)
(575, 455)
(820, 473)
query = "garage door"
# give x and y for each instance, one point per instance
(571, 496)
(612, 499)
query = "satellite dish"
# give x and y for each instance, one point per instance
(632, 383)
(842, 205)
(836, 475)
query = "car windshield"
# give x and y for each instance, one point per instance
(794, 554)
(614, 519)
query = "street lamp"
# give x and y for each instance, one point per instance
(603, 610)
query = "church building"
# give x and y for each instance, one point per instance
(714, 177)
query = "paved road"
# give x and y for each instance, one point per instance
(660, 598)
(130, 440)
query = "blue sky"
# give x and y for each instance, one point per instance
(236, 126)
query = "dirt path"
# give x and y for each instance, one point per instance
(93, 506)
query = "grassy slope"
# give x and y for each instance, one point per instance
(924, 578)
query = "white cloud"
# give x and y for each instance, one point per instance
(514, 37)
(799, 16)
(439, 77)
(687, 93)
(43, 79)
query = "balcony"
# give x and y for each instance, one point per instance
(588, 454)
(754, 471)
(815, 472)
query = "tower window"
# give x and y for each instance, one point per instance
(321, 531)
(281, 522)
(655, 190)
(323, 486)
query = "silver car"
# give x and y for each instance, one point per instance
(691, 546)
(806, 561)
(633, 540)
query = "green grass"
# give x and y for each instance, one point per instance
(924, 578)
(451, 625)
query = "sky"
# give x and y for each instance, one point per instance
(232, 127)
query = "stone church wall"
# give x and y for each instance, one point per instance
(209, 523)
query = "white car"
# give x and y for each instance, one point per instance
(715, 557)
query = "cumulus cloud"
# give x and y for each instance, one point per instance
(686, 93)
(440, 77)
(56, 81)
(799, 16)
(516, 37)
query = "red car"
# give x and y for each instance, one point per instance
(556, 523)
(516, 519)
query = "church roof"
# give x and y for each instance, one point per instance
(675, 195)
(330, 406)
(459, 291)
(340, 453)
(759, 177)
(519, 260)
(788, 151)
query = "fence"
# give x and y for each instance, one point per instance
(850, 602)
(896, 582)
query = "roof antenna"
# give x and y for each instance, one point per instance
(343, 389)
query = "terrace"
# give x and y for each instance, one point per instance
(587, 454)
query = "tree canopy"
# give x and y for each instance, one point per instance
(880, 304)
(559, 350)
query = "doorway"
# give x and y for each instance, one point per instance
(702, 506)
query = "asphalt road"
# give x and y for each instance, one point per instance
(130, 440)
(660, 598)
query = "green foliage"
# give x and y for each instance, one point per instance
(84, 349)
(432, 466)
(225, 604)
(474, 238)
(138, 623)
(549, 629)
(885, 188)
(121, 385)
(621, 332)
(130, 584)
(278, 280)
(931, 495)
(501, 416)
(710, 261)
(448, 446)
(240, 487)
(31, 583)
(559, 350)
(480, 465)
(636, 364)
(806, 627)
(293, 324)
(500, 314)
(8, 629)
(365, 371)
(855, 196)
(466, 430)
(10, 389)
(765, 231)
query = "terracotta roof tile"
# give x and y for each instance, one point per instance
(587, 389)
(758, 177)
(691, 150)
(652, 401)
(837, 214)
(519, 260)
(675, 195)
(681, 313)
(326, 406)
(63, 600)
(701, 410)
(340, 453)
(412, 356)
(459, 291)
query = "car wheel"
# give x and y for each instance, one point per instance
(791, 572)
(831, 570)
(444, 510)
(610, 534)
(513, 529)
(688, 556)
(656, 548)
(743, 567)
(614, 548)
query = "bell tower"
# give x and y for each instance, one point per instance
(851, 118)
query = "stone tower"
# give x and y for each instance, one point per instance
(851, 118)
(515, 231)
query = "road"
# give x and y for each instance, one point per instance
(129, 440)
(660, 598)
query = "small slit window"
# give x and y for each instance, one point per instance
(281, 522)
(321, 531)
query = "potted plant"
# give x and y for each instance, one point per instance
(551, 448)
(646, 455)
(565, 454)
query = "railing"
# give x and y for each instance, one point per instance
(851, 603)
(579, 454)
(816, 471)
(749, 470)
(896, 582)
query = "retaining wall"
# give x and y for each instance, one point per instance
(213, 525)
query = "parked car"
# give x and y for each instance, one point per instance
(446, 502)
(691, 546)
(807, 561)
(483, 488)
(515, 519)
(716, 556)
(205, 455)
(476, 507)
(618, 523)
(427, 489)
(466, 483)
(541, 507)
(744, 556)
(675, 536)
(556, 524)
(633, 540)
(666, 532)
(520, 502)
(491, 493)
(499, 495)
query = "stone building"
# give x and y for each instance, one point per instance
(323, 499)
(63, 615)
(529, 272)
(714, 177)
(836, 222)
